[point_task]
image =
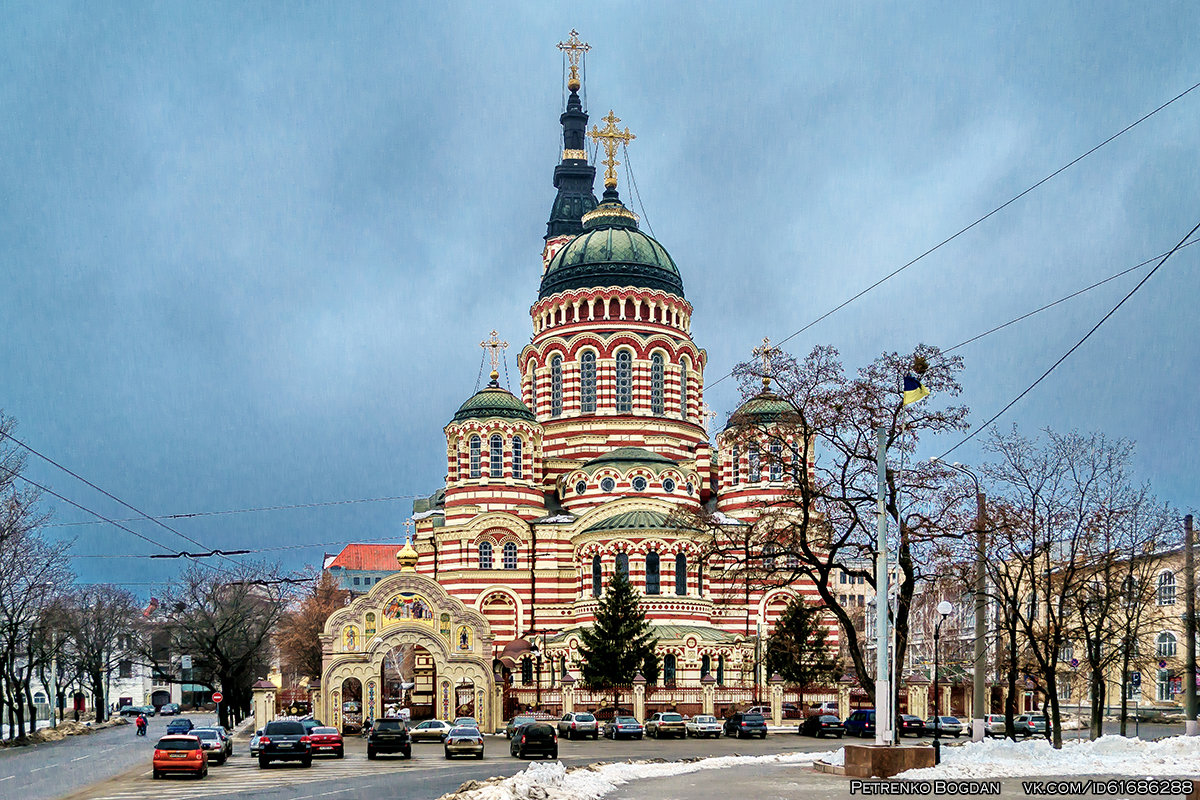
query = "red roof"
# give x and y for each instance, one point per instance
(379, 557)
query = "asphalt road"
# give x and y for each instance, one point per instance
(55, 769)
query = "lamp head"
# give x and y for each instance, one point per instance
(944, 607)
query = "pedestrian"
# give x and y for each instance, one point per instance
(141, 725)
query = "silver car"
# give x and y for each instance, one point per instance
(464, 740)
(577, 724)
(993, 725)
(946, 726)
(1030, 725)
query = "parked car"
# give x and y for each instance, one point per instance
(822, 725)
(169, 709)
(179, 754)
(180, 725)
(702, 726)
(620, 727)
(536, 737)
(945, 726)
(1030, 725)
(254, 740)
(666, 723)
(993, 725)
(310, 723)
(762, 711)
(466, 722)
(431, 730)
(130, 711)
(327, 740)
(910, 725)
(826, 707)
(284, 740)
(389, 736)
(464, 740)
(577, 723)
(212, 744)
(860, 723)
(744, 725)
(515, 723)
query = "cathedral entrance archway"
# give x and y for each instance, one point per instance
(352, 708)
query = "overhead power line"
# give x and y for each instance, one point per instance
(380, 540)
(961, 231)
(192, 514)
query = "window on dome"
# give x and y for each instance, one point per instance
(496, 456)
(683, 389)
(639, 484)
(475, 446)
(623, 564)
(608, 484)
(680, 574)
(624, 382)
(587, 382)
(657, 406)
(509, 555)
(580, 487)
(485, 555)
(776, 466)
(668, 485)
(753, 467)
(556, 387)
(735, 458)
(596, 576)
(652, 576)
(517, 456)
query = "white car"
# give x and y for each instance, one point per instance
(704, 725)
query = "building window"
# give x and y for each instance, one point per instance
(735, 458)
(776, 466)
(1166, 644)
(125, 669)
(1163, 687)
(607, 485)
(652, 577)
(476, 446)
(1166, 589)
(624, 382)
(496, 456)
(668, 670)
(556, 390)
(527, 670)
(587, 382)
(680, 574)
(357, 581)
(657, 406)
(668, 485)
(770, 549)
(639, 484)
(705, 665)
(1064, 690)
(595, 576)
(1066, 652)
(485, 555)
(509, 555)
(623, 564)
(720, 670)
(517, 456)
(683, 389)
(754, 468)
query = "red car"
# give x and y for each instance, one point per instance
(327, 740)
(180, 754)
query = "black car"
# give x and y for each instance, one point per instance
(911, 725)
(517, 722)
(179, 725)
(284, 740)
(389, 736)
(534, 737)
(821, 725)
(741, 725)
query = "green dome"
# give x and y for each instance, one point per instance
(493, 401)
(639, 521)
(611, 251)
(624, 457)
(764, 407)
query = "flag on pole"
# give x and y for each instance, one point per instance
(913, 390)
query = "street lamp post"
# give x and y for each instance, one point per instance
(538, 666)
(944, 608)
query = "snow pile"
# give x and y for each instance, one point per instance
(838, 759)
(550, 780)
(1108, 755)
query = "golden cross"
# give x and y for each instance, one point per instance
(408, 527)
(574, 48)
(766, 353)
(708, 414)
(495, 346)
(611, 138)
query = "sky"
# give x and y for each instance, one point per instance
(248, 250)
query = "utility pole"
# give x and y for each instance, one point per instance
(1191, 727)
(883, 688)
(979, 700)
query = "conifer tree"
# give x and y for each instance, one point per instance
(617, 646)
(796, 649)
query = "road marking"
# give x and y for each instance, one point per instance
(9, 778)
(81, 758)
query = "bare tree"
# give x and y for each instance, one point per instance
(102, 621)
(299, 639)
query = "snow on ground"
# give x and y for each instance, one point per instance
(550, 780)
(1108, 755)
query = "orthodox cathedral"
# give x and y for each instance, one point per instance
(597, 467)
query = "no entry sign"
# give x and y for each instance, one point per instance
(218, 697)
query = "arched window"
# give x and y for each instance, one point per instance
(1166, 644)
(754, 468)
(587, 382)
(1066, 652)
(652, 577)
(509, 555)
(794, 470)
(623, 564)
(680, 574)
(683, 388)
(720, 670)
(485, 555)
(595, 576)
(556, 390)
(668, 670)
(624, 382)
(657, 406)
(705, 665)
(776, 465)
(1166, 589)
(526, 670)
(496, 456)
(770, 549)
(517, 456)
(475, 446)
(735, 457)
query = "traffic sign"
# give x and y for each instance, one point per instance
(217, 697)
(1135, 679)
(1074, 662)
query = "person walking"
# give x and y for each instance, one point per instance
(141, 725)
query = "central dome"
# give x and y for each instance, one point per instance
(611, 251)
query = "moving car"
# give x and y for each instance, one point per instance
(431, 730)
(822, 725)
(860, 723)
(466, 722)
(666, 723)
(389, 736)
(180, 754)
(515, 723)
(702, 726)
(464, 740)
(1030, 725)
(180, 725)
(619, 727)
(284, 740)
(212, 744)
(327, 740)
(309, 723)
(911, 725)
(536, 737)
(169, 709)
(577, 724)
(254, 740)
(946, 726)
(744, 725)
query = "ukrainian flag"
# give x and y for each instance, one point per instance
(913, 390)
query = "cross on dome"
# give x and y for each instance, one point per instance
(574, 48)
(766, 353)
(611, 138)
(494, 346)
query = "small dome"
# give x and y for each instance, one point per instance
(765, 407)
(629, 456)
(639, 521)
(493, 401)
(406, 557)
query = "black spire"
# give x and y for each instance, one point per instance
(573, 177)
